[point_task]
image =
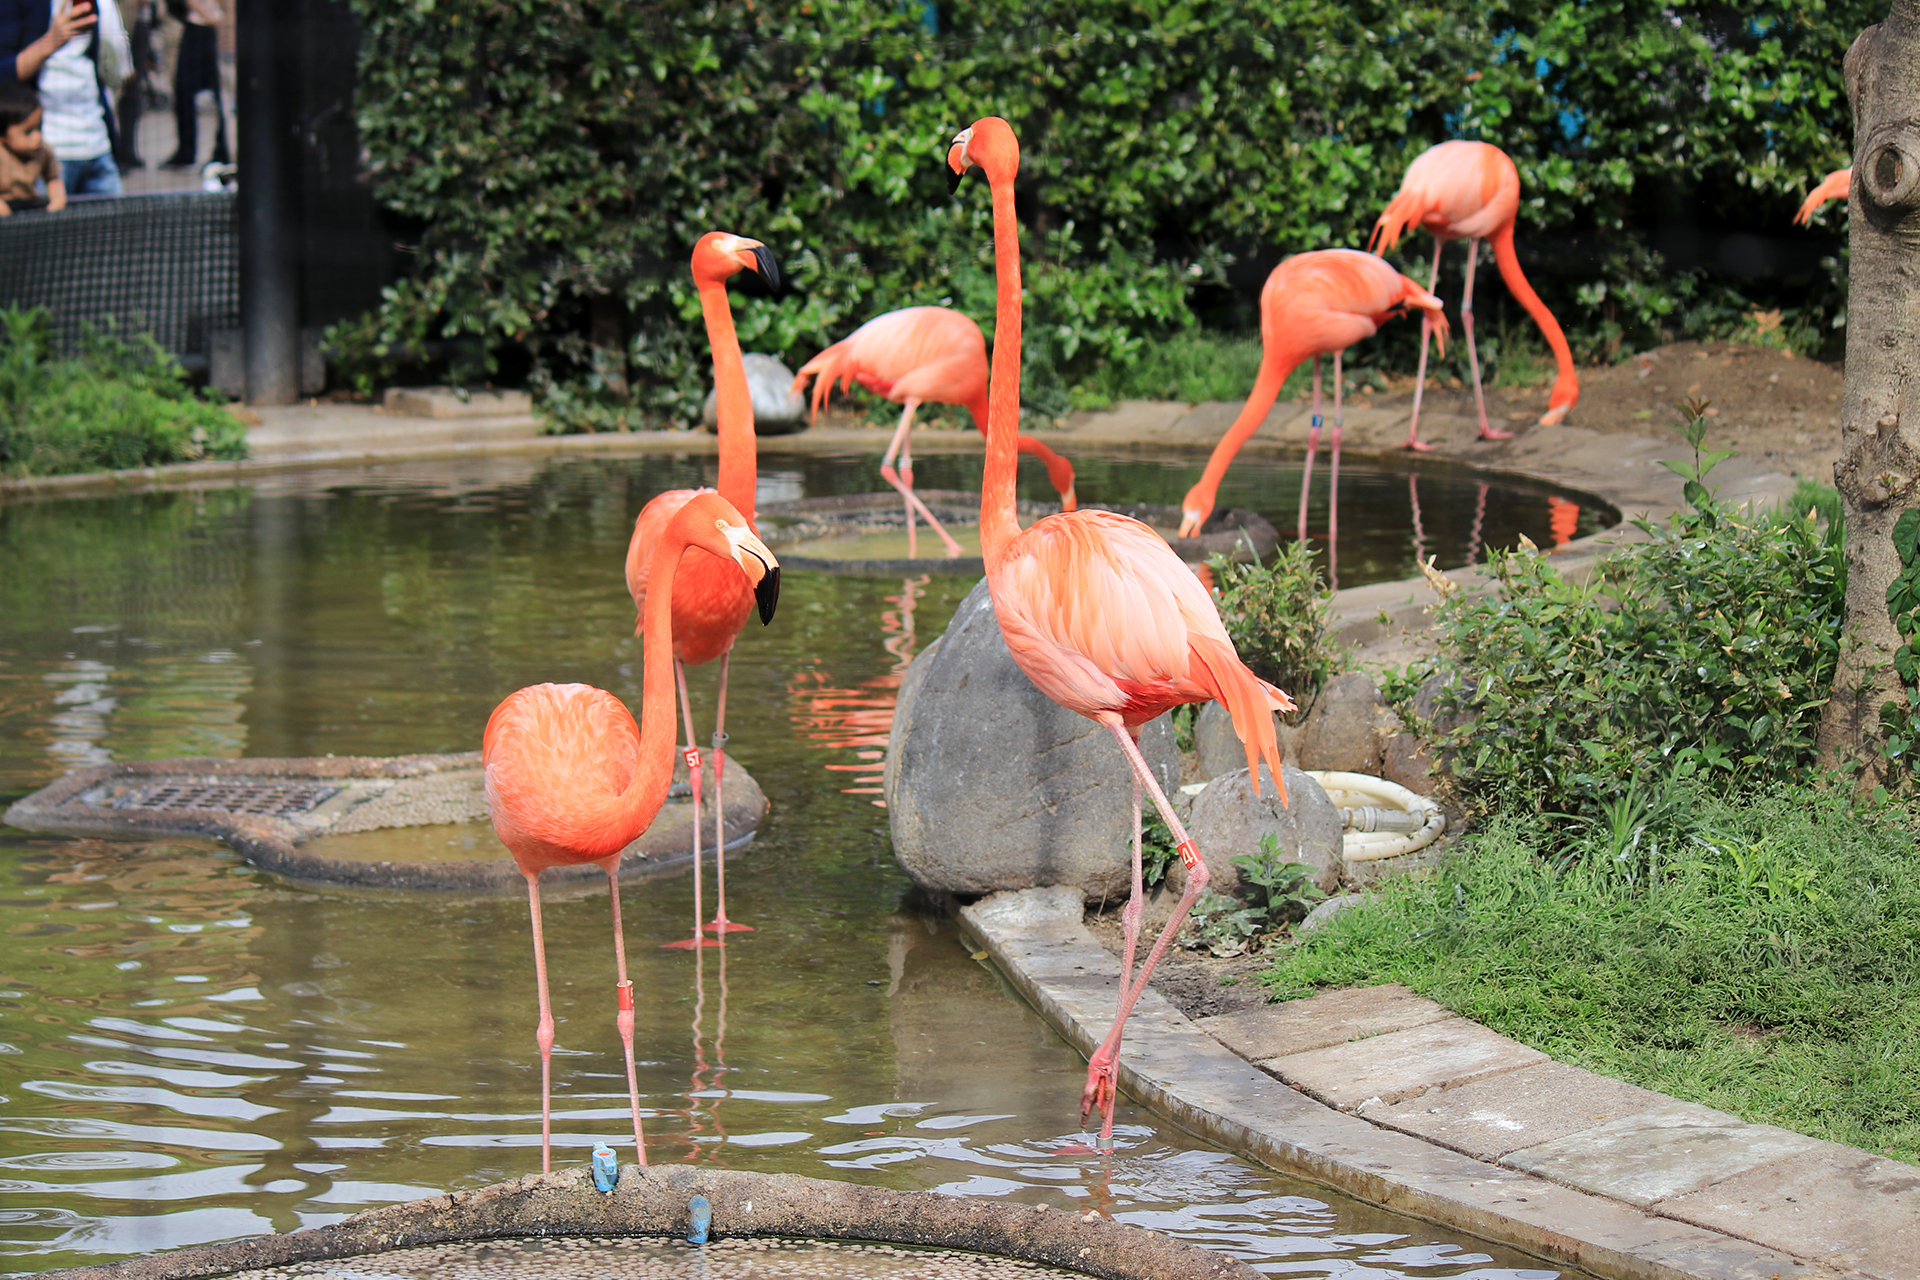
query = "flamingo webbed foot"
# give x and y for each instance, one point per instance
(1102, 1088)
(1495, 433)
(1554, 415)
(1415, 445)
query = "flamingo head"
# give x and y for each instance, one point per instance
(1414, 298)
(988, 143)
(1194, 510)
(713, 524)
(718, 255)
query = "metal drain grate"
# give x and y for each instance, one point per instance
(269, 799)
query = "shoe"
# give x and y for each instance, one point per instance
(177, 162)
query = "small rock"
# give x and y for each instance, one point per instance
(777, 409)
(1348, 728)
(1229, 819)
(1426, 706)
(1328, 910)
(991, 786)
(1406, 762)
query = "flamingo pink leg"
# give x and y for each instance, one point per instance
(1136, 909)
(1473, 358)
(721, 924)
(1420, 374)
(623, 1003)
(1103, 1067)
(903, 481)
(1313, 444)
(693, 782)
(543, 1031)
(1333, 477)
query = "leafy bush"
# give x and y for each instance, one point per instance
(1761, 957)
(561, 159)
(1274, 892)
(1277, 616)
(120, 404)
(1706, 650)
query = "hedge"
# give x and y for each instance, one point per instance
(562, 156)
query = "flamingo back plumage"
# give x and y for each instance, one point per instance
(1083, 602)
(1325, 300)
(712, 598)
(921, 353)
(1458, 190)
(556, 759)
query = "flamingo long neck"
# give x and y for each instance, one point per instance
(647, 790)
(1279, 359)
(1566, 384)
(739, 463)
(999, 521)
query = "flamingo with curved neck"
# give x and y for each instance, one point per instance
(1314, 304)
(711, 598)
(569, 778)
(1470, 191)
(1099, 612)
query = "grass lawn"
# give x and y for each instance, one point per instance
(1761, 957)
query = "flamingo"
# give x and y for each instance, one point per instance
(1471, 191)
(711, 598)
(570, 780)
(912, 357)
(1314, 304)
(1835, 186)
(1099, 612)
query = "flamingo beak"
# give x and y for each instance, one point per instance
(766, 582)
(766, 594)
(957, 159)
(769, 269)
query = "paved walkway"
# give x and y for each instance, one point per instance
(1390, 1098)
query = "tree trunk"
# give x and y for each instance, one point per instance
(1878, 474)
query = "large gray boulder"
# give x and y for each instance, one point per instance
(991, 786)
(1228, 818)
(1348, 727)
(777, 409)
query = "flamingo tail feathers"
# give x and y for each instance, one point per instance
(830, 365)
(1836, 186)
(1566, 385)
(1403, 211)
(1250, 700)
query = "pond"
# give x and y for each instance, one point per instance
(192, 1051)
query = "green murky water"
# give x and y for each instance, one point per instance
(192, 1051)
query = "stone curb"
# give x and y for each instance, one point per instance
(654, 1201)
(1039, 940)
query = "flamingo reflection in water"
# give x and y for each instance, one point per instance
(859, 719)
(1563, 521)
(706, 1136)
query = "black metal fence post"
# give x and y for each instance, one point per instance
(269, 218)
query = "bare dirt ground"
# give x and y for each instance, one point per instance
(1765, 403)
(1198, 984)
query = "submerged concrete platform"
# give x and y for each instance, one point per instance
(1391, 1098)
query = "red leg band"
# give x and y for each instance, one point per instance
(692, 757)
(625, 989)
(1189, 854)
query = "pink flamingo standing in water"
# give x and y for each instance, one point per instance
(711, 598)
(1314, 304)
(913, 357)
(1099, 612)
(569, 778)
(1471, 191)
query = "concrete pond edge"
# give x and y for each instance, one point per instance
(1038, 939)
(655, 1200)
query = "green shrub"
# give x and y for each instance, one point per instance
(561, 159)
(1762, 956)
(120, 404)
(1277, 617)
(1706, 650)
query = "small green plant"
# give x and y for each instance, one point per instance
(121, 403)
(1158, 848)
(1221, 925)
(1277, 617)
(1283, 890)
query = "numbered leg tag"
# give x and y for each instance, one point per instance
(1189, 854)
(1318, 422)
(692, 756)
(626, 996)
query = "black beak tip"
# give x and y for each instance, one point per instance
(953, 179)
(768, 268)
(766, 594)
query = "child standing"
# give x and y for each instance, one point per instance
(25, 156)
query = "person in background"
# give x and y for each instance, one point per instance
(25, 158)
(197, 69)
(55, 45)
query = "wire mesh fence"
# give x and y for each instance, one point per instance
(164, 264)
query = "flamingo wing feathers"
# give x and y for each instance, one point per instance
(890, 348)
(557, 759)
(1458, 190)
(1837, 185)
(1108, 622)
